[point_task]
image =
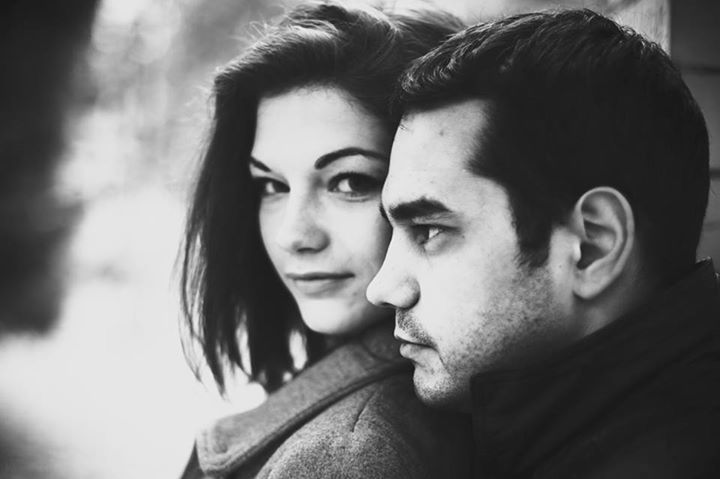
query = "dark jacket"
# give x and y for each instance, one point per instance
(353, 414)
(639, 398)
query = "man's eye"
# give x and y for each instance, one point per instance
(269, 187)
(424, 233)
(355, 184)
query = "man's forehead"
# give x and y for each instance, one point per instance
(454, 128)
(462, 115)
(433, 147)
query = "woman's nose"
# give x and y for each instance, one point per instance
(301, 229)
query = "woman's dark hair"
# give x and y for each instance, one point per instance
(232, 298)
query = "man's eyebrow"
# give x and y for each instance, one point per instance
(328, 158)
(412, 210)
(259, 165)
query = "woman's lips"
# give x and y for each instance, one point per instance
(318, 283)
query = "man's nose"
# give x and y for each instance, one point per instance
(301, 229)
(393, 286)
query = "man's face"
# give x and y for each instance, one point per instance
(464, 302)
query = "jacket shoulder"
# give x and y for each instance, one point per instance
(684, 446)
(381, 430)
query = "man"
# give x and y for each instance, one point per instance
(547, 188)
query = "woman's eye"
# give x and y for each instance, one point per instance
(355, 184)
(269, 187)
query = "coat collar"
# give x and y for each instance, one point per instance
(520, 417)
(238, 439)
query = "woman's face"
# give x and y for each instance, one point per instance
(319, 162)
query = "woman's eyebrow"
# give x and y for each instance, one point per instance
(328, 158)
(259, 165)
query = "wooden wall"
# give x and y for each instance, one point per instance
(695, 47)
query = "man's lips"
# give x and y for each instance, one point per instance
(404, 340)
(410, 348)
(412, 351)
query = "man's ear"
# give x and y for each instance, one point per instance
(602, 222)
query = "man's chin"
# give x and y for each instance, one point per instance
(438, 395)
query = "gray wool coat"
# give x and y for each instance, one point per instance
(353, 414)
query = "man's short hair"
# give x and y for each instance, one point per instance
(576, 101)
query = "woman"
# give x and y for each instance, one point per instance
(284, 236)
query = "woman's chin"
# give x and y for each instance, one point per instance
(338, 318)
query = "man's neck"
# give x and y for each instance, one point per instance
(631, 291)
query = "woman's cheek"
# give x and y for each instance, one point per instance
(367, 234)
(268, 219)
